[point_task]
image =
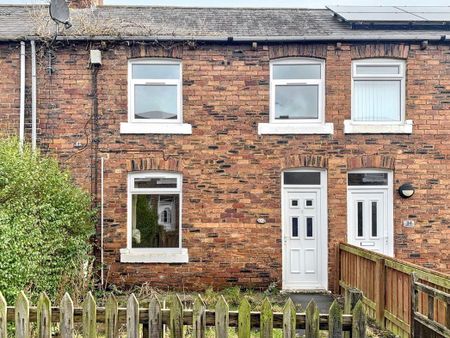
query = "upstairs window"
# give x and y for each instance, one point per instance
(378, 93)
(297, 91)
(155, 91)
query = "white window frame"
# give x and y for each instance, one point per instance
(297, 126)
(155, 126)
(153, 255)
(401, 126)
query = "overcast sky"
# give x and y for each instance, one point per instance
(260, 3)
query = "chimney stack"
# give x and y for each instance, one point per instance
(85, 3)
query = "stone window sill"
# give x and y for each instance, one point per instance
(154, 255)
(351, 127)
(295, 128)
(155, 128)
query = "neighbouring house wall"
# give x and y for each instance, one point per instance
(231, 175)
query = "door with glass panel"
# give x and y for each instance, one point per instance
(370, 211)
(304, 233)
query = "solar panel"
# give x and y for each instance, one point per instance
(392, 14)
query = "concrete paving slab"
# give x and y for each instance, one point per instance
(323, 301)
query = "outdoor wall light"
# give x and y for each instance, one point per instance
(406, 190)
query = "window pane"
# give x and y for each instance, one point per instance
(294, 226)
(302, 178)
(296, 71)
(377, 101)
(154, 72)
(296, 102)
(155, 102)
(368, 179)
(360, 219)
(374, 219)
(372, 69)
(155, 221)
(155, 182)
(309, 227)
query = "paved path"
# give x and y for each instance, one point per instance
(323, 301)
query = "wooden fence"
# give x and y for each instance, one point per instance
(150, 320)
(391, 295)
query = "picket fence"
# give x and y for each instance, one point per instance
(149, 320)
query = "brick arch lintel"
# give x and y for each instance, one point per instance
(380, 50)
(371, 161)
(154, 163)
(299, 161)
(298, 50)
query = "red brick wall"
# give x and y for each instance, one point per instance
(231, 174)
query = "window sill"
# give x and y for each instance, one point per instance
(154, 255)
(295, 128)
(155, 128)
(382, 128)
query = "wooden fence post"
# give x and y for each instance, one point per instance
(22, 315)
(176, 317)
(380, 291)
(89, 317)
(222, 318)
(244, 319)
(3, 317)
(132, 317)
(335, 321)
(337, 286)
(44, 317)
(352, 296)
(266, 319)
(199, 318)
(359, 321)
(111, 317)
(66, 317)
(154, 318)
(414, 303)
(289, 319)
(312, 320)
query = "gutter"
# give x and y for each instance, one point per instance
(22, 95)
(299, 38)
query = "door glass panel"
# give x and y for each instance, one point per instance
(302, 178)
(294, 203)
(360, 219)
(367, 179)
(294, 226)
(308, 203)
(374, 219)
(309, 227)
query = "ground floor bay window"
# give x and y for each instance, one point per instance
(154, 219)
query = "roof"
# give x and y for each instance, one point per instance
(238, 24)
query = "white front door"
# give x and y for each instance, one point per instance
(304, 237)
(370, 211)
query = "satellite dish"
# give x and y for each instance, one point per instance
(59, 12)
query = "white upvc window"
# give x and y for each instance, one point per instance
(154, 219)
(378, 97)
(155, 97)
(297, 98)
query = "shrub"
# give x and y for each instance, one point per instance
(45, 223)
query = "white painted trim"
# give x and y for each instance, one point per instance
(155, 128)
(323, 229)
(154, 256)
(132, 82)
(295, 128)
(395, 77)
(352, 127)
(389, 231)
(319, 82)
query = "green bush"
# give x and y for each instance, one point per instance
(45, 224)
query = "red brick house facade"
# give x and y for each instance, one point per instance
(231, 193)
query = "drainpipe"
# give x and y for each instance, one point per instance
(102, 168)
(22, 95)
(33, 95)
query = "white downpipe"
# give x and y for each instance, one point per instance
(33, 95)
(22, 95)
(102, 164)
